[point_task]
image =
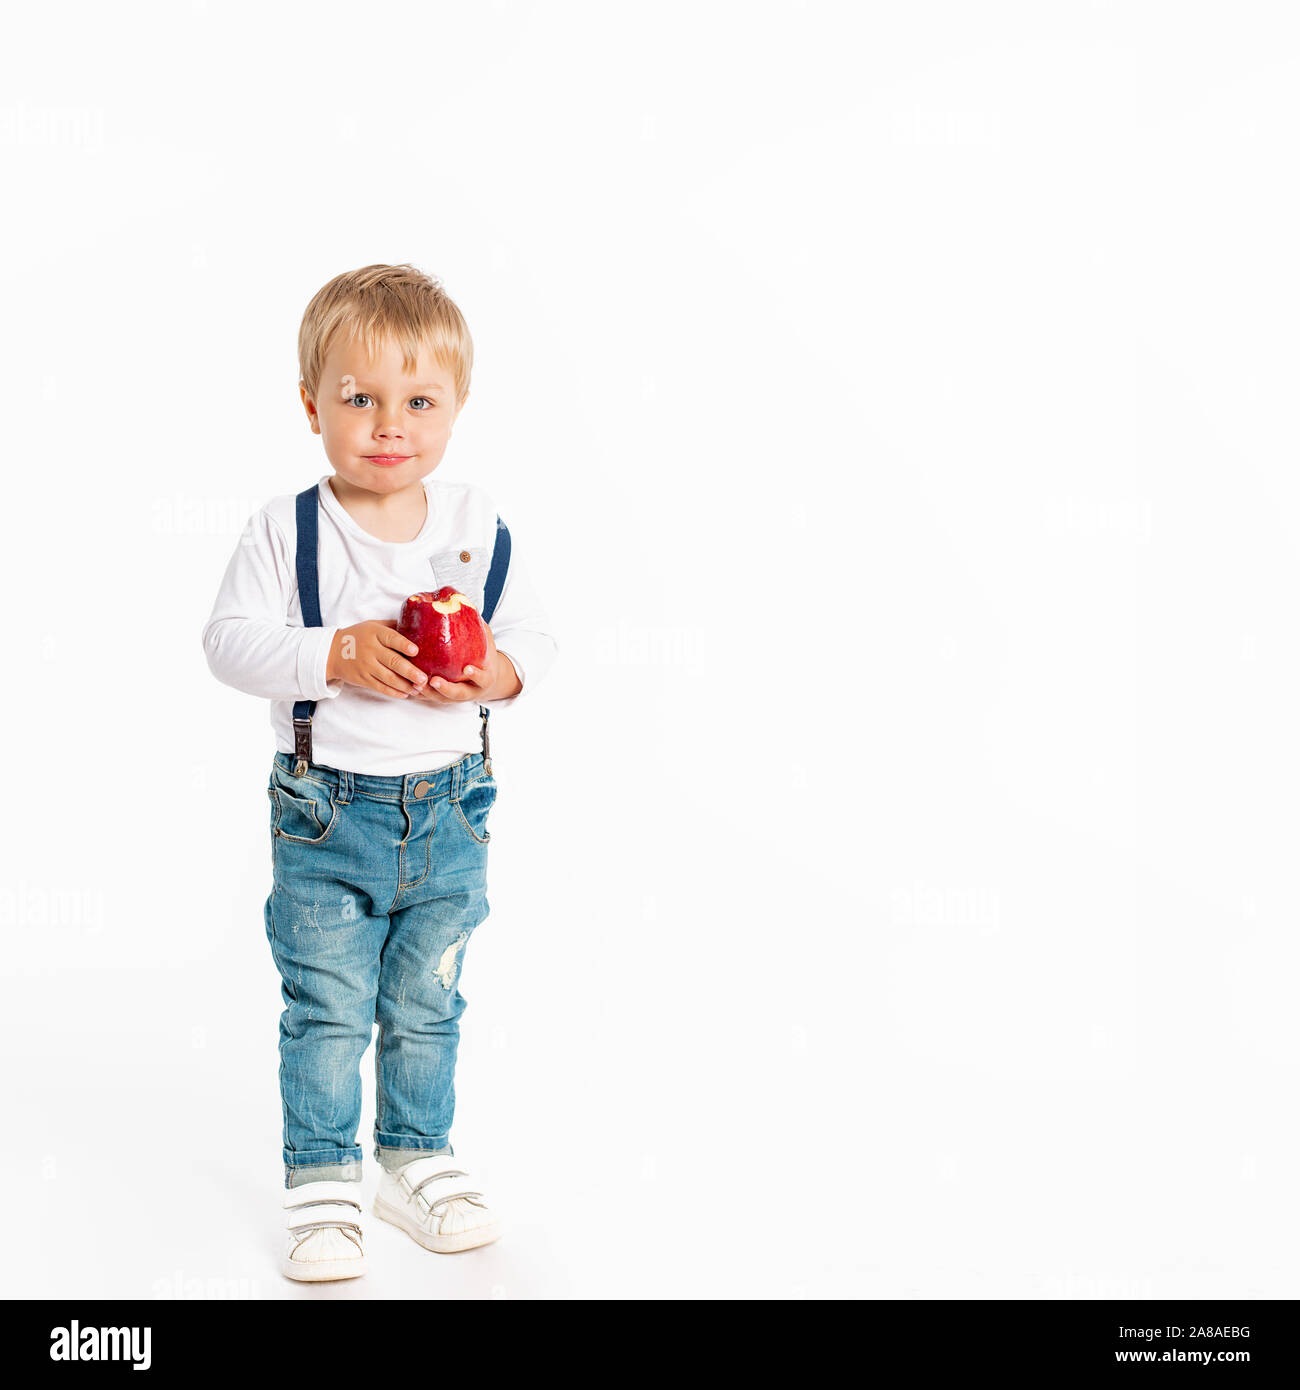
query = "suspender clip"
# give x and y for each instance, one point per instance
(301, 745)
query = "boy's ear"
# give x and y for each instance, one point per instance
(308, 405)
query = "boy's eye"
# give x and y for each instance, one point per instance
(362, 397)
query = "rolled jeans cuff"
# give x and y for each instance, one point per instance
(411, 1145)
(322, 1165)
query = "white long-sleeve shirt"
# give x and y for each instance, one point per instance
(255, 640)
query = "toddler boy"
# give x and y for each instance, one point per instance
(379, 798)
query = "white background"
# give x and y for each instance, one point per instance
(892, 884)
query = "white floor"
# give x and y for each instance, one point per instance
(158, 1176)
(780, 1039)
(696, 1062)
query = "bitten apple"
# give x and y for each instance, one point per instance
(448, 630)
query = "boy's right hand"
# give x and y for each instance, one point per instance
(374, 655)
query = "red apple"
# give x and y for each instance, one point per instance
(447, 629)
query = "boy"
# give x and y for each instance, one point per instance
(379, 803)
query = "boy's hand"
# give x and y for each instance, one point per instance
(478, 680)
(374, 655)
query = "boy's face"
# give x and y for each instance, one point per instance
(369, 412)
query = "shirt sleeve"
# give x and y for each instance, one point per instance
(522, 628)
(248, 639)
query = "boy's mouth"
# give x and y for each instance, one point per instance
(387, 460)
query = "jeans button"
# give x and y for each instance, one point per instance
(422, 788)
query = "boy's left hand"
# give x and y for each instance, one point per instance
(474, 685)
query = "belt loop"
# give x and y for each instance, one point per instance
(457, 769)
(345, 786)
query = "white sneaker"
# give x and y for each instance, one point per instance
(434, 1200)
(324, 1231)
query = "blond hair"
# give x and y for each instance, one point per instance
(379, 303)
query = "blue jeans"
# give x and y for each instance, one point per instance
(378, 883)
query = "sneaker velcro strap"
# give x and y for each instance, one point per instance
(322, 1204)
(437, 1191)
(330, 1220)
(322, 1192)
(437, 1180)
(323, 1214)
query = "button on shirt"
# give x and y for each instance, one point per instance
(255, 640)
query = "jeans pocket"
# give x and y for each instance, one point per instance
(476, 800)
(303, 809)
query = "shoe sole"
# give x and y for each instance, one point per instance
(442, 1245)
(317, 1271)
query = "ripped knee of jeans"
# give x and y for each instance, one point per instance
(447, 962)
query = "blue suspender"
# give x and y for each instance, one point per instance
(309, 600)
(497, 574)
(491, 593)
